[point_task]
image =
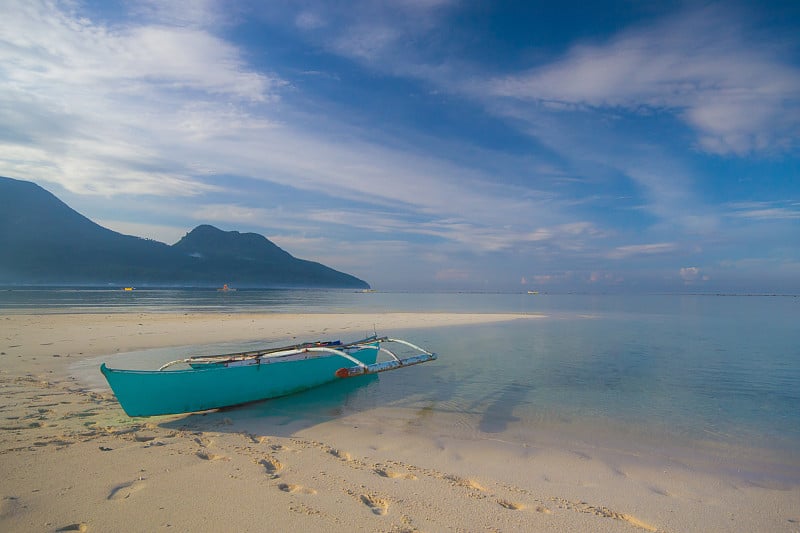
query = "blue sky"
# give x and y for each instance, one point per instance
(427, 144)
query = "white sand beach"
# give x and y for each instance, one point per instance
(71, 460)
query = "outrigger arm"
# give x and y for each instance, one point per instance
(383, 366)
(359, 369)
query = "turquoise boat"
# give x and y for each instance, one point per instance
(199, 383)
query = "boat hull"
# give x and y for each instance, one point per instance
(153, 392)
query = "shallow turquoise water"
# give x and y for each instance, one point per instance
(721, 371)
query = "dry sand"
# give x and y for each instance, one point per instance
(70, 460)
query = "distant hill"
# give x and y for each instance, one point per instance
(44, 241)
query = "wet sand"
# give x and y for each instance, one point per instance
(71, 460)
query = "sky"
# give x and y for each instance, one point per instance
(609, 146)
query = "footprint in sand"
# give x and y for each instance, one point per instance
(272, 466)
(344, 456)
(658, 490)
(206, 456)
(81, 527)
(258, 439)
(124, 490)
(9, 506)
(393, 475)
(605, 512)
(288, 487)
(638, 523)
(510, 505)
(379, 506)
(203, 442)
(462, 482)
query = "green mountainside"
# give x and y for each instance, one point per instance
(44, 241)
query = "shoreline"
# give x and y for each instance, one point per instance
(48, 342)
(72, 460)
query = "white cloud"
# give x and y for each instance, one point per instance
(85, 105)
(689, 273)
(43, 48)
(624, 252)
(197, 13)
(157, 109)
(766, 210)
(382, 34)
(161, 105)
(157, 232)
(235, 214)
(477, 234)
(309, 20)
(162, 110)
(738, 93)
(367, 42)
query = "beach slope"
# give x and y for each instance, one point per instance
(72, 461)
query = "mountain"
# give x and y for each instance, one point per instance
(44, 241)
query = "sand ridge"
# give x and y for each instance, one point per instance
(33, 343)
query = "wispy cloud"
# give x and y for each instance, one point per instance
(737, 92)
(624, 252)
(193, 13)
(43, 47)
(766, 210)
(705, 66)
(156, 109)
(157, 232)
(385, 35)
(86, 104)
(735, 87)
(558, 167)
(163, 109)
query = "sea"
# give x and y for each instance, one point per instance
(712, 376)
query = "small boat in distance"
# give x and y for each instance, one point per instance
(209, 382)
(225, 288)
(127, 289)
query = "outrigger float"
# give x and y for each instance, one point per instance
(204, 382)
